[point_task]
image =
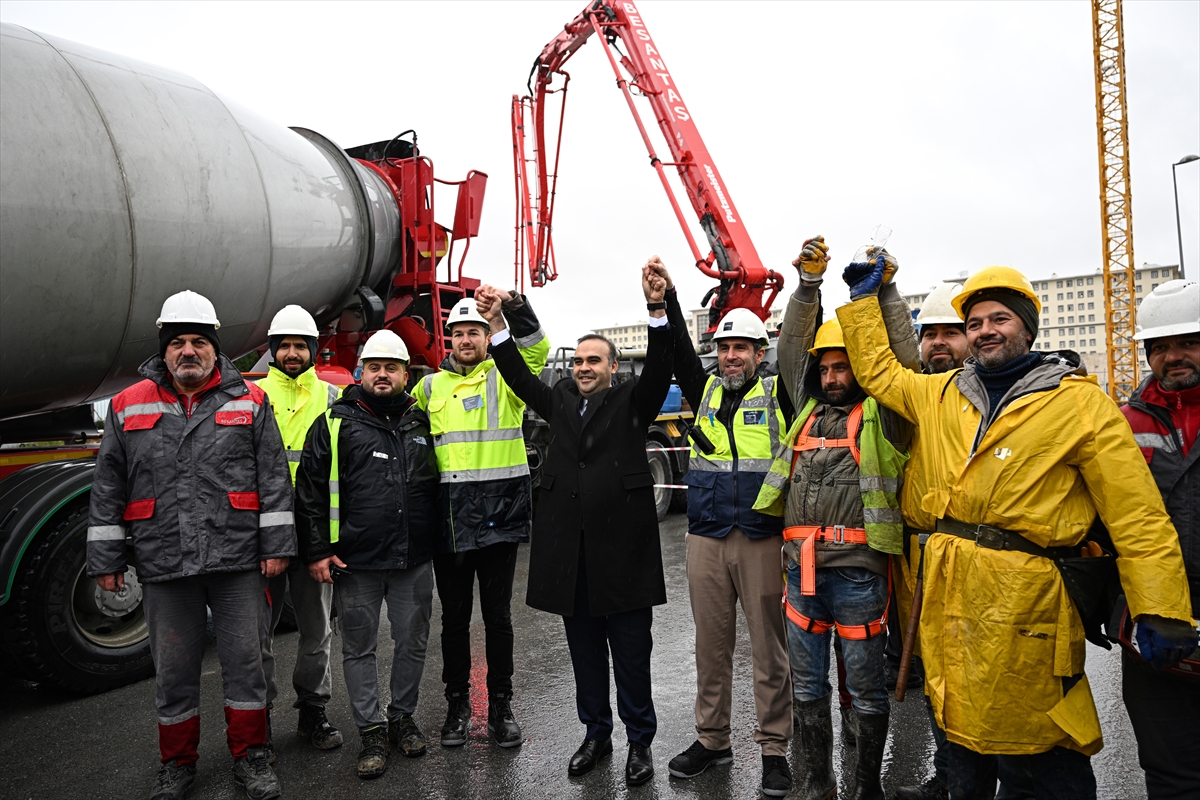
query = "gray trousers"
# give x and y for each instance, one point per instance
(311, 602)
(409, 597)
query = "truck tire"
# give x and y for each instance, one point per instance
(660, 469)
(59, 628)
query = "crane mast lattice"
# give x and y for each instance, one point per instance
(1116, 198)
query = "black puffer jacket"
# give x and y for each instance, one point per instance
(387, 486)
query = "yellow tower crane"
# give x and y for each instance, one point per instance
(1116, 198)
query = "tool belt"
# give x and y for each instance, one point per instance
(838, 534)
(1091, 580)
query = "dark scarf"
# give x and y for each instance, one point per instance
(997, 382)
(389, 409)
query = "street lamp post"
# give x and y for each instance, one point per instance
(1178, 229)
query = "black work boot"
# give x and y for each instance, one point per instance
(502, 725)
(848, 737)
(255, 775)
(173, 781)
(872, 731)
(458, 720)
(814, 732)
(372, 758)
(696, 759)
(777, 778)
(931, 789)
(407, 737)
(315, 727)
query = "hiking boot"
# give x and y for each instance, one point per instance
(255, 775)
(406, 736)
(316, 728)
(814, 765)
(372, 758)
(502, 726)
(458, 720)
(931, 789)
(777, 778)
(696, 759)
(173, 781)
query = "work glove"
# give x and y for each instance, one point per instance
(813, 260)
(890, 264)
(1164, 642)
(865, 277)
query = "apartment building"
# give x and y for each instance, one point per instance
(1073, 315)
(633, 336)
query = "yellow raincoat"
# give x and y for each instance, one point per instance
(998, 630)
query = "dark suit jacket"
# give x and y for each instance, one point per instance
(596, 489)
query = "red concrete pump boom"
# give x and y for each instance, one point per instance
(744, 281)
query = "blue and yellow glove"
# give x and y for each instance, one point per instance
(1164, 642)
(865, 277)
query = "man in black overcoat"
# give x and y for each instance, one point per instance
(595, 557)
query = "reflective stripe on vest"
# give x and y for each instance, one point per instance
(754, 449)
(335, 501)
(880, 467)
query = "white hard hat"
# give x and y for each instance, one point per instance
(385, 344)
(937, 310)
(741, 323)
(293, 321)
(464, 311)
(188, 306)
(1171, 309)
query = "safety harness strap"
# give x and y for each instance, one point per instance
(811, 534)
(820, 626)
(805, 442)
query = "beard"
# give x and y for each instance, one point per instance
(1186, 382)
(1010, 349)
(735, 382)
(840, 394)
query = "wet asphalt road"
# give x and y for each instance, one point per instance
(54, 745)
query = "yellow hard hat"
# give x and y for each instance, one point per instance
(995, 278)
(829, 336)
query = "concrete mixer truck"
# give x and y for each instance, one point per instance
(120, 184)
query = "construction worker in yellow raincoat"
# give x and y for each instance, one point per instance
(1017, 452)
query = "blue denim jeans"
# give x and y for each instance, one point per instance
(851, 596)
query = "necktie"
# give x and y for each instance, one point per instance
(582, 405)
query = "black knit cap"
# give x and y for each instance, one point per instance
(171, 330)
(274, 343)
(1020, 305)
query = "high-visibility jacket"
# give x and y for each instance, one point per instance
(723, 485)
(880, 467)
(999, 633)
(296, 402)
(476, 420)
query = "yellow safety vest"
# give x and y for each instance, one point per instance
(756, 426)
(297, 402)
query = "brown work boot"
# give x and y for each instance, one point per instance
(407, 737)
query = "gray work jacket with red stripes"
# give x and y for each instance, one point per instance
(181, 494)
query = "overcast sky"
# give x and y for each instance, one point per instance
(967, 128)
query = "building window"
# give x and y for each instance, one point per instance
(1060, 286)
(1046, 322)
(1070, 295)
(1093, 342)
(1154, 273)
(1091, 293)
(1045, 298)
(1061, 320)
(1089, 284)
(1061, 343)
(1138, 276)
(1071, 343)
(1068, 283)
(1091, 317)
(1060, 297)
(1091, 306)
(1060, 308)
(1071, 307)
(1153, 286)
(1070, 320)
(1139, 288)
(1070, 331)
(1092, 329)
